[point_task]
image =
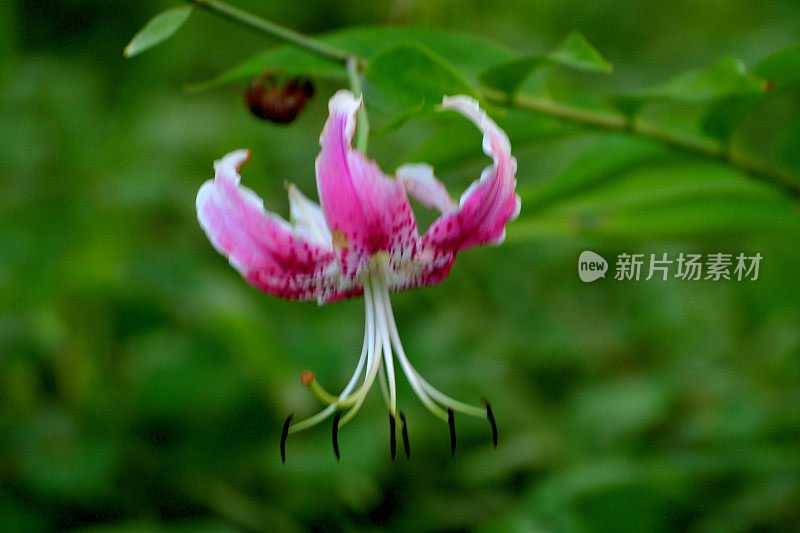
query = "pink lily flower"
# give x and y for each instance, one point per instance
(362, 240)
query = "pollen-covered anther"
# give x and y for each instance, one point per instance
(490, 417)
(340, 240)
(307, 377)
(284, 434)
(335, 434)
(404, 431)
(452, 423)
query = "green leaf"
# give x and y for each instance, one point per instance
(728, 76)
(410, 77)
(467, 53)
(627, 190)
(778, 70)
(455, 142)
(158, 29)
(510, 75)
(609, 160)
(725, 78)
(399, 119)
(781, 68)
(727, 114)
(286, 60)
(788, 146)
(574, 52)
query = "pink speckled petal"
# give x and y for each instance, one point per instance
(419, 182)
(489, 203)
(367, 212)
(262, 246)
(479, 218)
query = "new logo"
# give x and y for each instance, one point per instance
(591, 266)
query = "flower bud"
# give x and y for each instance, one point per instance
(278, 102)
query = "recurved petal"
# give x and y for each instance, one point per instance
(489, 203)
(418, 181)
(262, 246)
(367, 211)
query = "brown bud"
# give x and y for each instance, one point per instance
(307, 377)
(279, 102)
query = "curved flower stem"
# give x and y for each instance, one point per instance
(788, 182)
(362, 124)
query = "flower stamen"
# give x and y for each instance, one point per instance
(284, 434)
(451, 421)
(490, 416)
(381, 339)
(404, 431)
(344, 398)
(335, 434)
(392, 436)
(308, 379)
(384, 389)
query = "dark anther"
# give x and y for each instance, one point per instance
(404, 430)
(279, 101)
(452, 423)
(284, 434)
(392, 439)
(490, 416)
(335, 434)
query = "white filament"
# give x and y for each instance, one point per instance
(381, 338)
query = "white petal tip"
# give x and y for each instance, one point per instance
(458, 101)
(233, 160)
(344, 100)
(470, 108)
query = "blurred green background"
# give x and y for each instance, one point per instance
(143, 384)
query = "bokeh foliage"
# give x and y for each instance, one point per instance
(143, 383)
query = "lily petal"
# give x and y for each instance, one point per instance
(263, 247)
(419, 181)
(490, 202)
(309, 221)
(480, 216)
(367, 212)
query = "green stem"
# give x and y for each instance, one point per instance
(362, 124)
(610, 120)
(607, 120)
(264, 26)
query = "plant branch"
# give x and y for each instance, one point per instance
(266, 27)
(607, 120)
(610, 120)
